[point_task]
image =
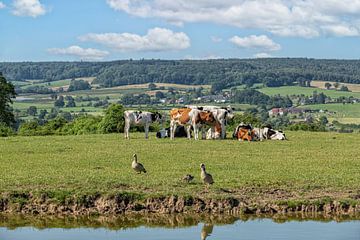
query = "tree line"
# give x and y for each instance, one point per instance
(221, 73)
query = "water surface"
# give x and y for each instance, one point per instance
(229, 228)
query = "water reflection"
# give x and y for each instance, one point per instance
(206, 231)
(175, 227)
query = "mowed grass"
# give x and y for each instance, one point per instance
(307, 91)
(101, 163)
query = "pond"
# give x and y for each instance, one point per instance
(177, 227)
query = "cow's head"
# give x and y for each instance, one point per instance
(156, 117)
(207, 117)
(163, 133)
(229, 112)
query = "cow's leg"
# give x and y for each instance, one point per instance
(196, 132)
(203, 134)
(147, 125)
(223, 130)
(172, 129)
(126, 129)
(188, 132)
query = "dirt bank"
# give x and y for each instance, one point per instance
(97, 204)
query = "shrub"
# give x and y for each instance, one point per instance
(31, 128)
(113, 121)
(5, 130)
(83, 125)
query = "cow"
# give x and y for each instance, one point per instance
(190, 118)
(221, 114)
(180, 131)
(268, 133)
(214, 132)
(244, 132)
(140, 118)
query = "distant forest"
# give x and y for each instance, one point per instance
(220, 73)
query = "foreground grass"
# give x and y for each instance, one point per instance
(101, 163)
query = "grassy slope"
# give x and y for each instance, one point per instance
(90, 163)
(296, 90)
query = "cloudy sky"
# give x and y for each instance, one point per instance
(46, 30)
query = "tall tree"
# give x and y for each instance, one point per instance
(7, 92)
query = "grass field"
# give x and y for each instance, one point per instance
(296, 90)
(342, 110)
(328, 162)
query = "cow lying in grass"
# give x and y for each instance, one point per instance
(268, 133)
(247, 132)
(244, 132)
(140, 118)
(180, 131)
(190, 118)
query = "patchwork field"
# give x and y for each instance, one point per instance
(321, 84)
(327, 163)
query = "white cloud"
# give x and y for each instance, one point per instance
(306, 18)
(156, 39)
(341, 30)
(257, 42)
(28, 8)
(82, 53)
(262, 55)
(216, 39)
(2, 5)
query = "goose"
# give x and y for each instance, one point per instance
(188, 178)
(138, 167)
(206, 177)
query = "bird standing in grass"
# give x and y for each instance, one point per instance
(138, 167)
(188, 178)
(206, 177)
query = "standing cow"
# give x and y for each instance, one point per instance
(140, 118)
(191, 118)
(221, 114)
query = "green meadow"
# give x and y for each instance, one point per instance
(296, 90)
(325, 162)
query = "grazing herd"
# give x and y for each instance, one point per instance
(210, 120)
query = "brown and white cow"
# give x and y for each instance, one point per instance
(190, 117)
(221, 114)
(244, 132)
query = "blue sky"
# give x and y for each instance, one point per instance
(49, 30)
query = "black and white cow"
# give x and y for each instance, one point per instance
(269, 133)
(140, 118)
(221, 114)
(180, 131)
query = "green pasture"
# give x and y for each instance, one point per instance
(307, 91)
(341, 110)
(326, 162)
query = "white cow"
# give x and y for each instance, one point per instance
(221, 114)
(140, 118)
